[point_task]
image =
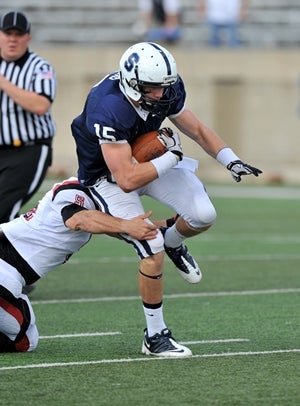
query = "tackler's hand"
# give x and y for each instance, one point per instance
(239, 168)
(171, 141)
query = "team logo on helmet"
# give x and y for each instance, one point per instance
(149, 65)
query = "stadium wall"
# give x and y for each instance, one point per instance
(250, 97)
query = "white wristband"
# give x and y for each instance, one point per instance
(225, 156)
(165, 162)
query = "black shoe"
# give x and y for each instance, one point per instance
(164, 345)
(184, 262)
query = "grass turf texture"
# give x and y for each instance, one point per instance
(253, 247)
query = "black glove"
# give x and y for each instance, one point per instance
(238, 168)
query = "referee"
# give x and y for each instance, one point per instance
(27, 90)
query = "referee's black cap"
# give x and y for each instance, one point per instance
(14, 20)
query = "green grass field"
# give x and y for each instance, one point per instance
(242, 322)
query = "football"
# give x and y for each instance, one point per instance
(147, 147)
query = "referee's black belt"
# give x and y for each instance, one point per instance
(10, 255)
(47, 142)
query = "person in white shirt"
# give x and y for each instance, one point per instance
(223, 19)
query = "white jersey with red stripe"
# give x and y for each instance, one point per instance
(41, 237)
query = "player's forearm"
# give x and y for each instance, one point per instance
(196, 130)
(138, 175)
(211, 143)
(95, 222)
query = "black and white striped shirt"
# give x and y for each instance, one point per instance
(18, 126)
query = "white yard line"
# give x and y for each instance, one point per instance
(170, 296)
(149, 358)
(98, 334)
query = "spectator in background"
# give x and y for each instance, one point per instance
(27, 90)
(158, 20)
(223, 18)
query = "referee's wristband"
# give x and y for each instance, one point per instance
(225, 156)
(165, 162)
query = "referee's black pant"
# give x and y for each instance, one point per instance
(22, 170)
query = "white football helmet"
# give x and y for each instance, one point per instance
(149, 64)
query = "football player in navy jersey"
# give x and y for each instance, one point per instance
(124, 105)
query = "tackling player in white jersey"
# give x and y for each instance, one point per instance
(43, 238)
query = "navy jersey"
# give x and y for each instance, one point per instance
(108, 116)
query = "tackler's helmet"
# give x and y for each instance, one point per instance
(147, 64)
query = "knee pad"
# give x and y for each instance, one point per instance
(200, 216)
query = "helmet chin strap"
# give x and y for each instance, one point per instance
(158, 107)
(152, 107)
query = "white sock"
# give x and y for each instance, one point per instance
(173, 238)
(155, 320)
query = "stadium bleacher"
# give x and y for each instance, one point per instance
(274, 23)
